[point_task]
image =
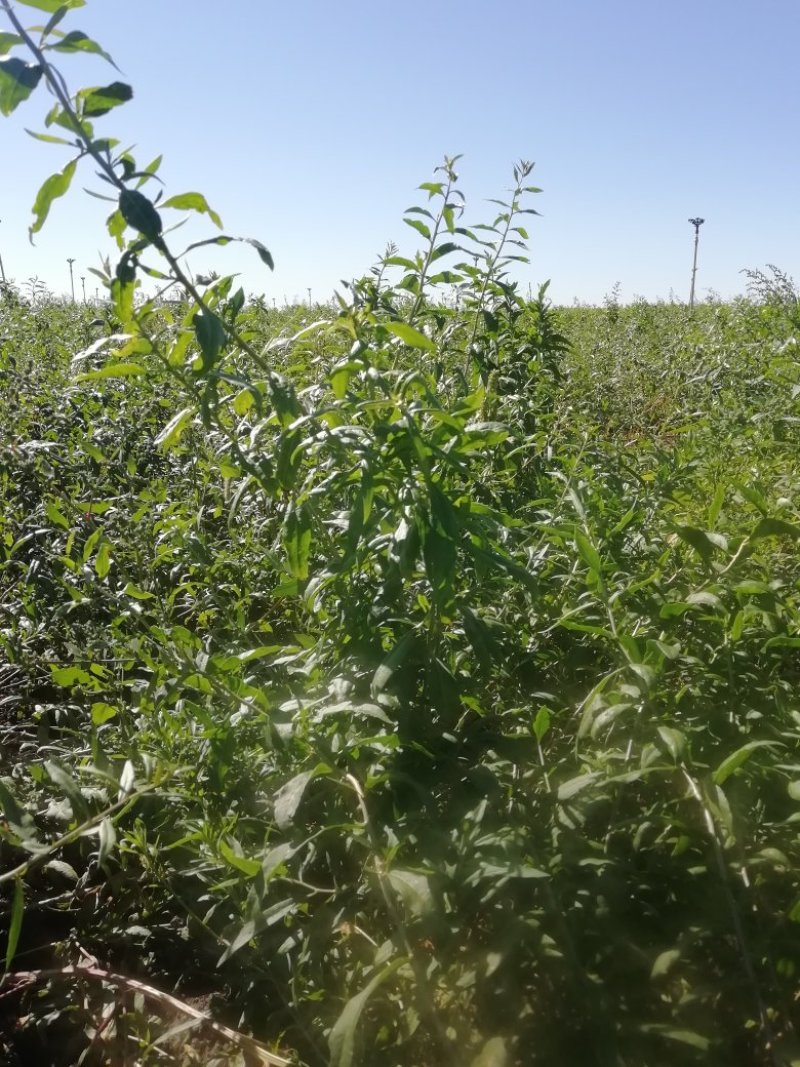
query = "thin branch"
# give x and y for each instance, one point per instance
(247, 1044)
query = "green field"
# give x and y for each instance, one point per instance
(397, 717)
(410, 681)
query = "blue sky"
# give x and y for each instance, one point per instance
(309, 125)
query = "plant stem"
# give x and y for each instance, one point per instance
(23, 869)
(425, 993)
(423, 274)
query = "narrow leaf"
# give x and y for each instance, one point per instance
(173, 431)
(51, 6)
(342, 1038)
(112, 370)
(54, 186)
(76, 41)
(15, 927)
(736, 759)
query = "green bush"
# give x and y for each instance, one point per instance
(414, 685)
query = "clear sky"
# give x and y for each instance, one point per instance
(308, 124)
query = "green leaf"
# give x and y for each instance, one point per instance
(17, 81)
(674, 740)
(51, 6)
(134, 591)
(444, 249)
(173, 431)
(244, 936)
(419, 226)
(342, 1039)
(102, 561)
(69, 787)
(263, 252)
(774, 528)
(211, 336)
(70, 676)
(247, 866)
(685, 1037)
(15, 926)
(409, 336)
(61, 868)
(400, 261)
(100, 100)
(76, 41)
(19, 820)
(414, 890)
(112, 370)
(493, 1054)
(705, 599)
(589, 554)
(702, 541)
(737, 759)
(48, 138)
(8, 41)
(716, 503)
(102, 713)
(567, 790)
(287, 799)
(140, 214)
(149, 171)
(297, 541)
(665, 962)
(541, 724)
(193, 202)
(107, 835)
(54, 186)
(752, 588)
(55, 515)
(340, 379)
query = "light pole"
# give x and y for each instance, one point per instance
(697, 223)
(83, 287)
(71, 278)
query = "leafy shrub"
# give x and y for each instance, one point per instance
(414, 685)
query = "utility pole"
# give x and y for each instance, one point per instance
(71, 278)
(309, 296)
(697, 223)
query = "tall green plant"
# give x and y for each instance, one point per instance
(368, 682)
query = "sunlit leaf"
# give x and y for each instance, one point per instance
(192, 202)
(76, 41)
(737, 759)
(410, 336)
